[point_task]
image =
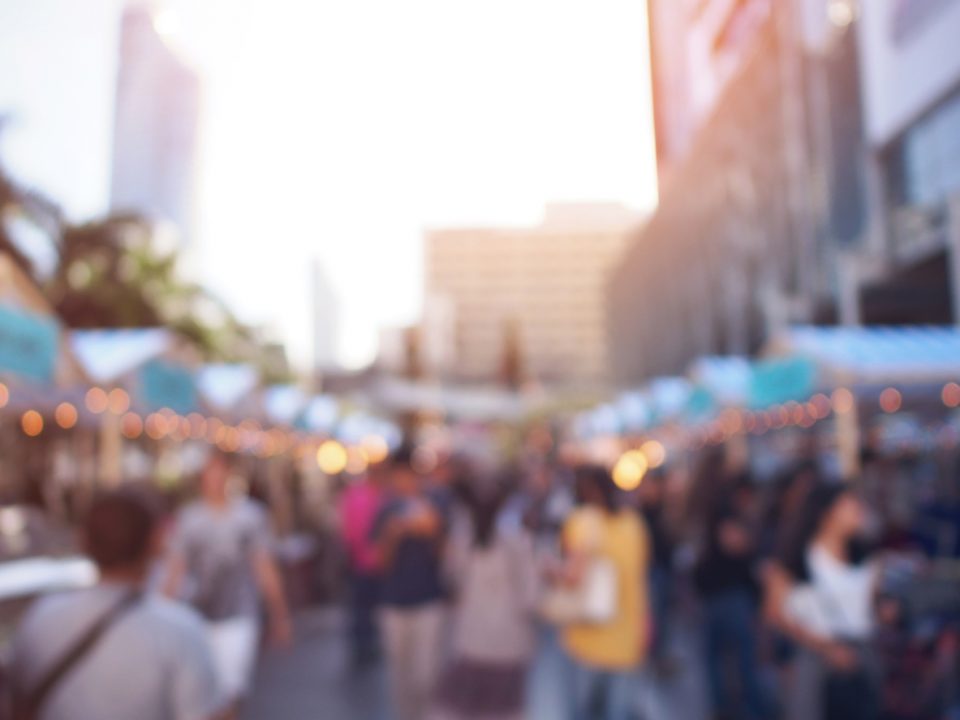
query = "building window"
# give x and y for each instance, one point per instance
(926, 160)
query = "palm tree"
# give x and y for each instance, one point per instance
(110, 274)
(19, 202)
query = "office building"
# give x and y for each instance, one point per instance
(742, 243)
(910, 271)
(697, 48)
(155, 128)
(528, 303)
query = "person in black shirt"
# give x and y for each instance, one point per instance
(409, 531)
(726, 584)
(651, 495)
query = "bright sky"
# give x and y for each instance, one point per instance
(339, 129)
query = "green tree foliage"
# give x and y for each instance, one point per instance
(112, 273)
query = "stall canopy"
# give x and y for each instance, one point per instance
(283, 404)
(320, 414)
(154, 363)
(107, 355)
(875, 354)
(225, 386)
(726, 379)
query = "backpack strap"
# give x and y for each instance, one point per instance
(33, 700)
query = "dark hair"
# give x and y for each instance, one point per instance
(484, 511)
(402, 457)
(817, 506)
(594, 482)
(118, 529)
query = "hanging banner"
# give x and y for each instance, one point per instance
(28, 344)
(166, 385)
(778, 381)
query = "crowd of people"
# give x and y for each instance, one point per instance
(785, 590)
(171, 629)
(782, 595)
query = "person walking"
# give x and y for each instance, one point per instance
(359, 507)
(221, 560)
(495, 580)
(607, 552)
(725, 579)
(652, 507)
(113, 650)
(410, 532)
(821, 593)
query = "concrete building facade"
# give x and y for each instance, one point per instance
(530, 299)
(910, 271)
(741, 244)
(822, 186)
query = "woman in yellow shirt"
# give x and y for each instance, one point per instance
(607, 653)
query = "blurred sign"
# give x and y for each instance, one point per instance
(164, 384)
(28, 344)
(700, 404)
(779, 381)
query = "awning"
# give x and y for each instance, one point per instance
(725, 378)
(107, 355)
(223, 386)
(875, 354)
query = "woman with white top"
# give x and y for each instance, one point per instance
(821, 594)
(492, 636)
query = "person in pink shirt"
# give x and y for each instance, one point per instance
(360, 504)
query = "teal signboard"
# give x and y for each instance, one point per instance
(700, 404)
(775, 382)
(28, 344)
(167, 385)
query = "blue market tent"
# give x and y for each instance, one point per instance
(875, 354)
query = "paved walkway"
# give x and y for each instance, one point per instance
(311, 681)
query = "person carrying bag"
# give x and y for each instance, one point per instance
(28, 703)
(589, 596)
(603, 604)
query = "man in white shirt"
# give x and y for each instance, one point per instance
(151, 661)
(221, 559)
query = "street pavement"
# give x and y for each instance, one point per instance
(312, 680)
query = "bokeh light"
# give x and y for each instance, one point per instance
(654, 452)
(821, 406)
(32, 423)
(630, 470)
(156, 426)
(97, 400)
(891, 400)
(376, 448)
(332, 457)
(4, 395)
(951, 395)
(118, 401)
(131, 426)
(843, 401)
(198, 426)
(66, 415)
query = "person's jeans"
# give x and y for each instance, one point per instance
(660, 587)
(364, 596)
(412, 637)
(731, 633)
(600, 694)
